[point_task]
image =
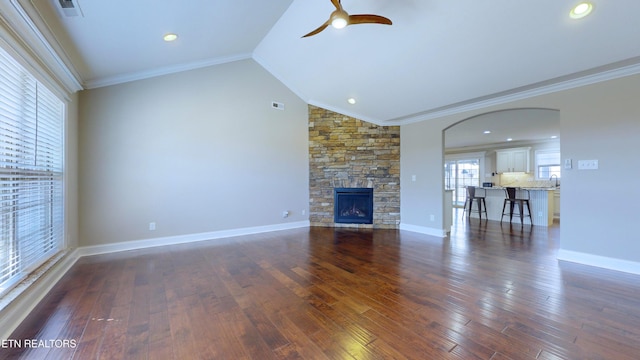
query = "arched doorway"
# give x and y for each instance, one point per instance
(473, 149)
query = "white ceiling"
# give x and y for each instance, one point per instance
(522, 126)
(115, 41)
(438, 57)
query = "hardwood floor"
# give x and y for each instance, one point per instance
(488, 292)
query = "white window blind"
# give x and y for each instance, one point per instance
(31, 153)
(548, 163)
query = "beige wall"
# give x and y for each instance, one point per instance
(180, 150)
(600, 121)
(194, 152)
(188, 151)
(421, 158)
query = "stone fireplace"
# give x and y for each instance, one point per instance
(345, 152)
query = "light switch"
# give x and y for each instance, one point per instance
(588, 164)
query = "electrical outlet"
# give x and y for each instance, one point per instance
(152, 226)
(432, 217)
(285, 214)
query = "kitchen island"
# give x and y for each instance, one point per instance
(541, 200)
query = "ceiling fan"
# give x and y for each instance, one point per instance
(340, 18)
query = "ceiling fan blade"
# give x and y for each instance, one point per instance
(339, 16)
(322, 27)
(368, 19)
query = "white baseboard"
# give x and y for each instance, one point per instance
(599, 261)
(182, 239)
(17, 310)
(424, 230)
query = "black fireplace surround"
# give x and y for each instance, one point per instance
(353, 205)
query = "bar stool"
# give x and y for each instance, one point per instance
(471, 195)
(513, 199)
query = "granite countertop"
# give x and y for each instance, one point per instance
(551, 188)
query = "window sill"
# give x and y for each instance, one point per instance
(24, 285)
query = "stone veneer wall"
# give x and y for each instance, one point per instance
(346, 152)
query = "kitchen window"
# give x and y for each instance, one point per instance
(547, 164)
(31, 173)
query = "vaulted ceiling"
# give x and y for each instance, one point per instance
(438, 57)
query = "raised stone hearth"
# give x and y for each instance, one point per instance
(348, 153)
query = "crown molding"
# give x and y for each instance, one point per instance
(610, 72)
(31, 39)
(141, 75)
(600, 74)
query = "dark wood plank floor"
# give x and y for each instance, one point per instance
(488, 292)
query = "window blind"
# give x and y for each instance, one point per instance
(548, 163)
(548, 157)
(31, 172)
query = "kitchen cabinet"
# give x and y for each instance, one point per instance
(556, 204)
(512, 160)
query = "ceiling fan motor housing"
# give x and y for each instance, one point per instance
(339, 19)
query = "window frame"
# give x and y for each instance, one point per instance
(458, 193)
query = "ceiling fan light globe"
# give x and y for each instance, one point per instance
(339, 19)
(338, 23)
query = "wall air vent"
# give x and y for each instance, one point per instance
(277, 105)
(69, 8)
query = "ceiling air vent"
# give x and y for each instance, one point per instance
(69, 7)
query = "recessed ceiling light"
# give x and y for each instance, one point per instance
(581, 10)
(510, 139)
(554, 136)
(170, 37)
(351, 101)
(487, 132)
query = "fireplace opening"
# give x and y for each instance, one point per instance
(353, 205)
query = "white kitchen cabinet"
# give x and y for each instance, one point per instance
(512, 160)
